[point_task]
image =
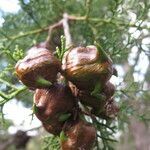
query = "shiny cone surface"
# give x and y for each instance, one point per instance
(80, 136)
(83, 67)
(39, 63)
(51, 104)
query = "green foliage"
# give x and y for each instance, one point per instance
(51, 143)
(64, 117)
(18, 53)
(60, 51)
(63, 137)
(34, 108)
(42, 81)
(4, 124)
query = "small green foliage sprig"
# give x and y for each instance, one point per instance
(51, 143)
(18, 53)
(60, 51)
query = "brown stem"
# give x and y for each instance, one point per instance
(62, 23)
(66, 30)
(51, 28)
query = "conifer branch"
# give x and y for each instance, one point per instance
(7, 97)
(74, 18)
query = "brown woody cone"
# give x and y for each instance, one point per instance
(84, 67)
(51, 104)
(109, 111)
(80, 136)
(108, 89)
(87, 99)
(39, 63)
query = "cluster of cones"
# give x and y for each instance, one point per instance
(84, 73)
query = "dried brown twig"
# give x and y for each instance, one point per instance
(62, 23)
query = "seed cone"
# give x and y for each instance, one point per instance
(109, 110)
(52, 105)
(38, 64)
(87, 99)
(80, 136)
(91, 101)
(85, 66)
(108, 89)
(104, 106)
